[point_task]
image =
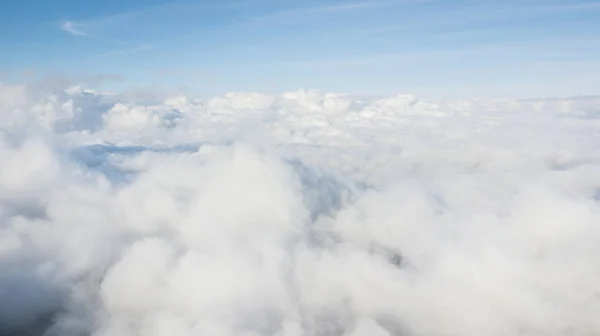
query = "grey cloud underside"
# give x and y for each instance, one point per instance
(306, 213)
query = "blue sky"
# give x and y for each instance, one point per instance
(434, 48)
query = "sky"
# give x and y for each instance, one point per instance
(432, 48)
(262, 200)
(305, 213)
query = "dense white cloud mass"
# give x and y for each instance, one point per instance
(307, 213)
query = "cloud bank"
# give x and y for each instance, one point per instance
(306, 213)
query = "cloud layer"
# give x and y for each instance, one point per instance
(307, 213)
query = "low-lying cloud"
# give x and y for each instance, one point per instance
(302, 214)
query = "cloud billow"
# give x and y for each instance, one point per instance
(301, 214)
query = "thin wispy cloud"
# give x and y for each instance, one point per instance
(164, 10)
(345, 7)
(176, 7)
(298, 13)
(556, 50)
(73, 29)
(124, 51)
(330, 38)
(570, 7)
(323, 9)
(126, 48)
(70, 28)
(468, 18)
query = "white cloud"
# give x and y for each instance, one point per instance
(241, 101)
(346, 216)
(70, 28)
(124, 47)
(123, 117)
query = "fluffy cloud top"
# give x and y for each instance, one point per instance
(307, 213)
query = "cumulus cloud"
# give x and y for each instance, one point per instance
(235, 101)
(349, 216)
(121, 116)
(12, 96)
